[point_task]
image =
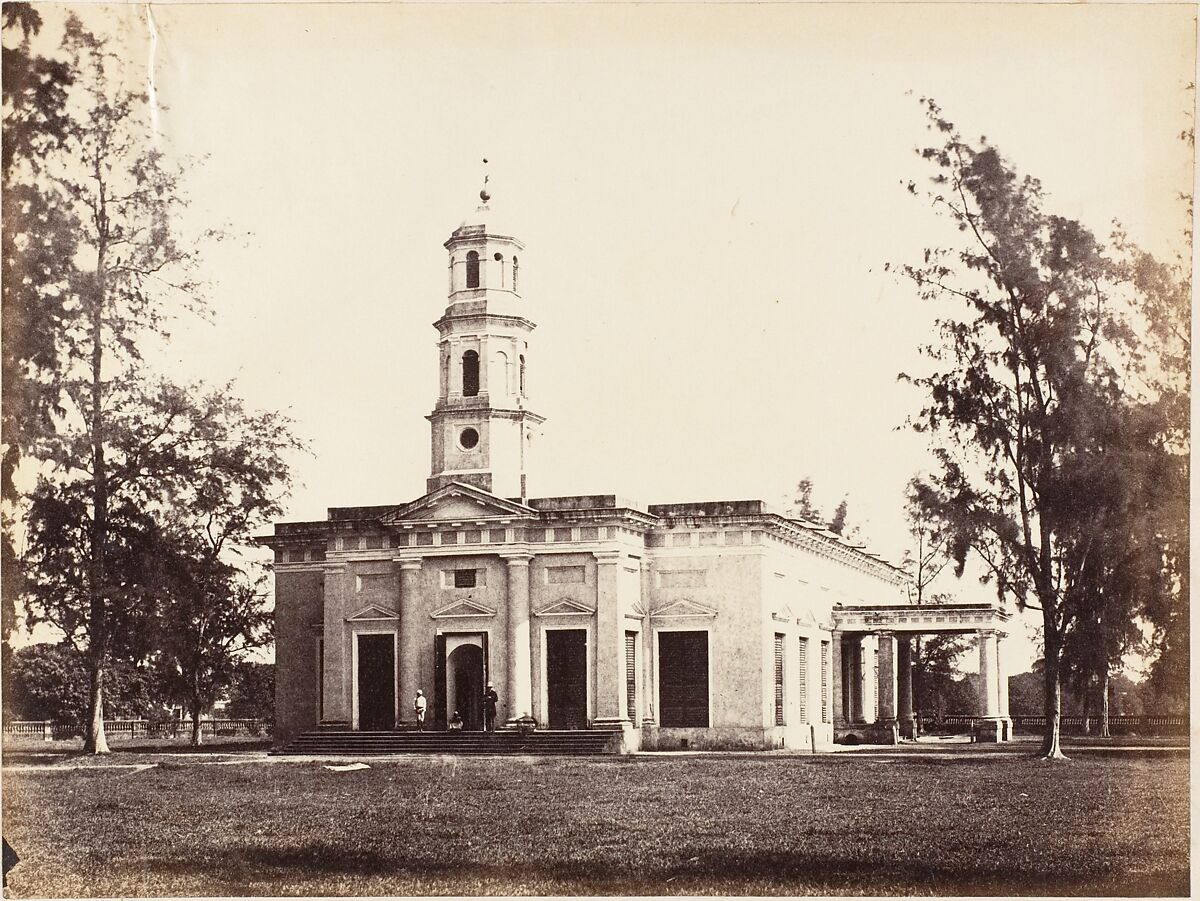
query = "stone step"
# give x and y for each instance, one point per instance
(561, 742)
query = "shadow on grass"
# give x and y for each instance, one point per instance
(725, 872)
(213, 747)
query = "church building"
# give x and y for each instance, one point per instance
(711, 624)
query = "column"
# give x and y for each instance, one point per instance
(888, 688)
(410, 636)
(610, 642)
(837, 675)
(520, 673)
(856, 679)
(1002, 686)
(649, 716)
(868, 664)
(336, 701)
(990, 702)
(904, 712)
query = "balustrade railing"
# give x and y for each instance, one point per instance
(130, 728)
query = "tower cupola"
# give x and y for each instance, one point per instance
(482, 430)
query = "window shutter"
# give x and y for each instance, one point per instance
(778, 679)
(824, 682)
(803, 680)
(631, 675)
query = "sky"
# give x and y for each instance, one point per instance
(709, 195)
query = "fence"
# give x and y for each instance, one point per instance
(1118, 724)
(138, 728)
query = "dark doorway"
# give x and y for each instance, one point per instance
(683, 678)
(464, 685)
(566, 678)
(376, 682)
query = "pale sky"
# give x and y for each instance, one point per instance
(708, 195)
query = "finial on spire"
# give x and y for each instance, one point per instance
(483, 194)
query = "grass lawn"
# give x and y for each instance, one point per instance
(831, 824)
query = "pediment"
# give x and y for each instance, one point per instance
(783, 614)
(807, 618)
(456, 502)
(566, 607)
(372, 611)
(462, 607)
(684, 607)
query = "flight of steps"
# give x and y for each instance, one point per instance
(360, 744)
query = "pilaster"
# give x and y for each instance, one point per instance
(520, 671)
(610, 645)
(410, 633)
(336, 701)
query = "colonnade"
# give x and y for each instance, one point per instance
(875, 692)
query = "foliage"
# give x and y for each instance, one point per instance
(837, 524)
(802, 503)
(49, 682)
(938, 683)
(36, 257)
(1031, 408)
(252, 693)
(146, 488)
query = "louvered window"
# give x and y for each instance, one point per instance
(779, 717)
(802, 680)
(824, 682)
(631, 675)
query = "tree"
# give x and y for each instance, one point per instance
(837, 525)
(210, 618)
(937, 681)
(49, 682)
(1024, 404)
(36, 256)
(931, 548)
(127, 449)
(252, 693)
(802, 505)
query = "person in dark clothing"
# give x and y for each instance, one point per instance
(10, 859)
(489, 708)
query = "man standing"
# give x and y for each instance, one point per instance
(489, 708)
(419, 705)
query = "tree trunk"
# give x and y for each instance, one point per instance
(1052, 739)
(1104, 704)
(94, 740)
(1087, 710)
(196, 711)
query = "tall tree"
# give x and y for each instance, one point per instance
(1030, 372)
(37, 262)
(802, 503)
(211, 609)
(126, 448)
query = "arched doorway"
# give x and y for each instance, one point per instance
(464, 685)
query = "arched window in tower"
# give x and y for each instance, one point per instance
(522, 360)
(470, 374)
(514, 272)
(472, 270)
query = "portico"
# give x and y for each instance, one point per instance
(873, 660)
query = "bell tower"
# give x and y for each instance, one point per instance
(481, 428)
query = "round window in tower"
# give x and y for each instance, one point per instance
(468, 439)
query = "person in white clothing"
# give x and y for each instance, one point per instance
(419, 705)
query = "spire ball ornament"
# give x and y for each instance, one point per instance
(483, 194)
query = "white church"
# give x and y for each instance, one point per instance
(711, 624)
